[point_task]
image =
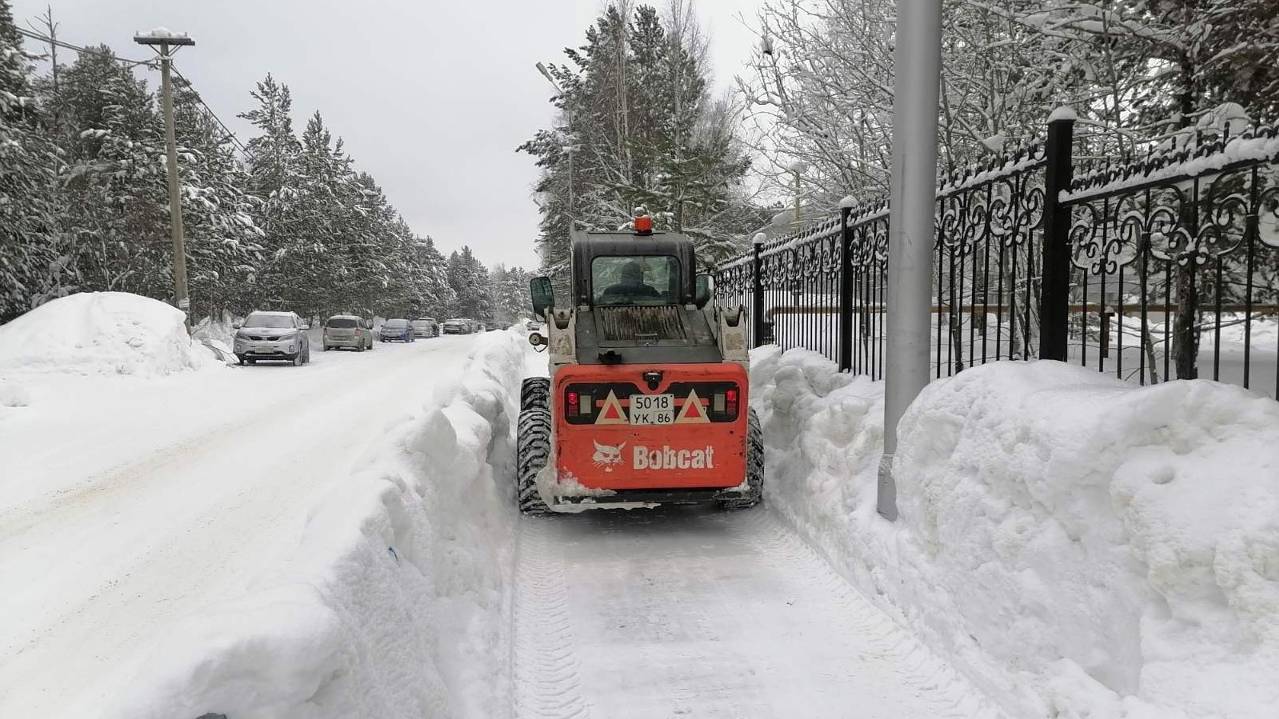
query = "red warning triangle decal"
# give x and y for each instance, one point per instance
(692, 412)
(612, 412)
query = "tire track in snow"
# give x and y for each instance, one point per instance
(547, 684)
(948, 691)
(684, 612)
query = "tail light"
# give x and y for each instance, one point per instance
(573, 405)
(730, 399)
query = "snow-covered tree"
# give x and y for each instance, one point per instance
(637, 111)
(31, 252)
(510, 291)
(469, 279)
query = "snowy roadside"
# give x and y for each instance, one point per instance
(1077, 546)
(394, 601)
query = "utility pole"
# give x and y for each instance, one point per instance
(917, 62)
(168, 43)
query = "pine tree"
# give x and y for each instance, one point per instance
(469, 279)
(637, 109)
(222, 243)
(116, 207)
(31, 264)
(274, 182)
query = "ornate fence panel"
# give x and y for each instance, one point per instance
(1158, 269)
(1175, 261)
(989, 237)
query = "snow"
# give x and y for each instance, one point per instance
(389, 605)
(1063, 112)
(330, 540)
(100, 333)
(1077, 546)
(689, 611)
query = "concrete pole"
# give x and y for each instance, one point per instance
(917, 63)
(175, 192)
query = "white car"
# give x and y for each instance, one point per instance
(272, 336)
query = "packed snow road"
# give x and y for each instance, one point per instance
(126, 504)
(692, 612)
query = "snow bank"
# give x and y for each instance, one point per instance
(1079, 546)
(395, 601)
(94, 333)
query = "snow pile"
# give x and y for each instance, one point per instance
(1079, 546)
(394, 602)
(94, 333)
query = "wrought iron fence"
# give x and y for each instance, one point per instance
(1146, 269)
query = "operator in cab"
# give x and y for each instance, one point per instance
(631, 287)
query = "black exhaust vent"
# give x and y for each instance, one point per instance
(639, 324)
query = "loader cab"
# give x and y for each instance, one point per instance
(636, 300)
(621, 269)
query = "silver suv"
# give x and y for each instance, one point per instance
(348, 331)
(272, 336)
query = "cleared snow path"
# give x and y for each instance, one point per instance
(129, 505)
(693, 612)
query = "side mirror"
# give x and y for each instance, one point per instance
(543, 295)
(235, 325)
(536, 339)
(702, 290)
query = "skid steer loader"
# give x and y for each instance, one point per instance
(646, 402)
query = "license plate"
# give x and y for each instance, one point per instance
(262, 347)
(652, 409)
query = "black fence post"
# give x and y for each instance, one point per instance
(845, 292)
(1054, 299)
(757, 293)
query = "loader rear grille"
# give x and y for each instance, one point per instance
(639, 324)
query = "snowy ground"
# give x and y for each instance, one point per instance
(128, 504)
(1078, 546)
(694, 612)
(688, 611)
(178, 537)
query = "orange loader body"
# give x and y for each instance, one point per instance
(646, 402)
(702, 449)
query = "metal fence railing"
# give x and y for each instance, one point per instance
(1165, 266)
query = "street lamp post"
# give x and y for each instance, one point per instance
(797, 169)
(917, 59)
(165, 44)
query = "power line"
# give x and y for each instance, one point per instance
(133, 63)
(77, 48)
(213, 114)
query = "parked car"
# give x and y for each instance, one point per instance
(456, 326)
(348, 331)
(532, 325)
(396, 330)
(272, 336)
(425, 327)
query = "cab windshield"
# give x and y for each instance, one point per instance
(635, 280)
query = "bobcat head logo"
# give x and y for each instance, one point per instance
(607, 455)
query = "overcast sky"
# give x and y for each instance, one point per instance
(431, 96)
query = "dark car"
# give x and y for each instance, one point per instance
(425, 327)
(396, 330)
